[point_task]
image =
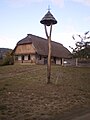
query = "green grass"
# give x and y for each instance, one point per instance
(24, 94)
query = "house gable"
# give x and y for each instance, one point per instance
(25, 49)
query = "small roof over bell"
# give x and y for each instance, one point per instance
(48, 19)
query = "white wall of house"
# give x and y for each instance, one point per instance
(58, 61)
(19, 57)
(25, 57)
(33, 58)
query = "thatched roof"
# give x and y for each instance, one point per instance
(48, 19)
(41, 46)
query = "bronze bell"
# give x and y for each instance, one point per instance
(48, 19)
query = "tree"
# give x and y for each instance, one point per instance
(8, 59)
(82, 47)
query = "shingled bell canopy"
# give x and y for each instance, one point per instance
(48, 19)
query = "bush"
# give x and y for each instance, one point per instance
(8, 59)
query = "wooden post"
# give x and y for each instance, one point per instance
(49, 54)
(62, 62)
(76, 62)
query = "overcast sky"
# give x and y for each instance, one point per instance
(21, 17)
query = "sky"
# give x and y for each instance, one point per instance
(21, 17)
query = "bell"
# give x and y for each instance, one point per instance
(48, 19)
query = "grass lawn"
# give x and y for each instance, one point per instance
(24, 94)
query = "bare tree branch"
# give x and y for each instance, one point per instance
(46, 31)
(50, 30)
(86, 33)
(73, 37)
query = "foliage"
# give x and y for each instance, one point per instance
(82, 49)
(8, 58)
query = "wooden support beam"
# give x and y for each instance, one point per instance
(49, 54)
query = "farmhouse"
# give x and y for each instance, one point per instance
(34, 49)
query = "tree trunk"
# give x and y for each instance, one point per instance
(49, 61)
(49, 54)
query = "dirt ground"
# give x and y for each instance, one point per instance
(24, 94)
